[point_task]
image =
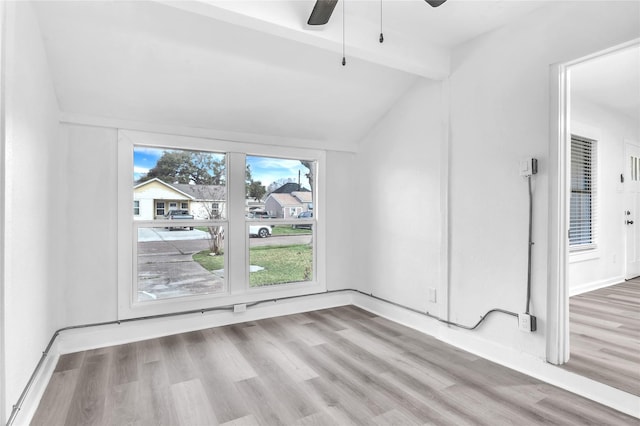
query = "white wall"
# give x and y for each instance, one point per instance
(500, 115)
(2, 209)
(605, 265)
(398, 219)
(31, 251)
(90, 192)
(341, 210)
(498, 102)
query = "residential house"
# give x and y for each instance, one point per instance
(154, 198)
(289, 205)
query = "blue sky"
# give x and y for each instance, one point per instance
(267, 170)
(264, 169)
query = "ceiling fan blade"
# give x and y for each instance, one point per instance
(322, 12)
(435, 3)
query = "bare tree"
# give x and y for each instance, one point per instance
(310, 166)
(213, 208)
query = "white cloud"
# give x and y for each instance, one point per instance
(156, 152)
(269, 170)
(140, 170)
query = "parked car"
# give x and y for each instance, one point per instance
(178, 215)
(262, 231)
(304, 215)
(259, 214)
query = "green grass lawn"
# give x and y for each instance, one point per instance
(288, 230)
(277, 230)
(282, 264)
(210, 263)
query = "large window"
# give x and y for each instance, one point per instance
(215, 223)
(183, 255)
(583, 203)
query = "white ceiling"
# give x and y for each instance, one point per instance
(612, 81)
(254, 66)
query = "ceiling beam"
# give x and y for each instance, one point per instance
(288, 20)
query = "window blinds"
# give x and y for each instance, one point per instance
(583, 203)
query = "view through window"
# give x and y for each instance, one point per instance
(280, 220)
(179, 198)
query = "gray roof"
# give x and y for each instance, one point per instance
(290, 187)
(202, 192)
(294, 199)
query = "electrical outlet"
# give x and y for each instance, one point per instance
(526, 323)
(240, 308)
(432, 295)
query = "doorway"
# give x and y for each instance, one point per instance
(632, 209)
(597, 207)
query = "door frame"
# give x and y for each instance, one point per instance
(557, 347)
(627, 152)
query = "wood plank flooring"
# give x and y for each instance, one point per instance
(605, 335)
(338, 366)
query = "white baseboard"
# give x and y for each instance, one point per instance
(32, 399)
(595, 285)
(84, 339)
(100, 336)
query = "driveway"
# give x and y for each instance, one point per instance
(161, 234)
(166, 267)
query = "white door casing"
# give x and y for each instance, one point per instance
(632, 209)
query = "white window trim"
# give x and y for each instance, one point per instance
(238, 290)
(577, 256)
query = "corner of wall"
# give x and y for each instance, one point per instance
(3, 37)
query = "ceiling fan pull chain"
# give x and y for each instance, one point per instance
(344, 59)
(381, 36)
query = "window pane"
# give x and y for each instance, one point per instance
(179, 180)
(180, 262)
(278, 187)
(284, 254)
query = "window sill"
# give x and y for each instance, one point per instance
(584, 255)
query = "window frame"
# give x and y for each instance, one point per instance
(287, 220)
(236, 229)
(588, 249)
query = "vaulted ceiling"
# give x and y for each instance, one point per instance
(255, 67)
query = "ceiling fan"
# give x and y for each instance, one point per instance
(324, 8)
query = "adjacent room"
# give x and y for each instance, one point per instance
(319, 212)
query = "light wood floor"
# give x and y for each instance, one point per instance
(605, 335)
(336, 366)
